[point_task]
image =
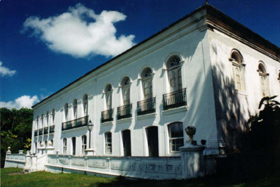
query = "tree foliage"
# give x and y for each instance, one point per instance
(16, 130)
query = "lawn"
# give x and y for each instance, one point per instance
(11, 177)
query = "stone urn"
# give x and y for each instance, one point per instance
(190, 130)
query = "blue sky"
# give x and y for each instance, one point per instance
(47, 44)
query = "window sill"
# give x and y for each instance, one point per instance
(146, 116)
(107, 123)
(124, 120)
(175, 110)
(239, 92)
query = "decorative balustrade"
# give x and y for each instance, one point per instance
(41, 131)
(51, 130)
(45, 130)
(80, 122)
(107, 115)
(146, 106)
(124, 111)
(174, 99)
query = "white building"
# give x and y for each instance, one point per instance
(205, 70)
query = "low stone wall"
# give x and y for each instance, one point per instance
(14, 160)
(138, 167)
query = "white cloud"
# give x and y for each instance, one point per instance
(23, 101)
(6, 71)
(80, 32)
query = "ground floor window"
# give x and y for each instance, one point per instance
(108, 143)
(73, 146)
(176, 138)
(84, 144)
(64, 146)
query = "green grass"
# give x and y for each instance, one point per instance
(68, 180)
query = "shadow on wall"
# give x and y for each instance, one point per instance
(232, 111)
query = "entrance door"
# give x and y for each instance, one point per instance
(152, 136)
(126, 143)
(74, 146)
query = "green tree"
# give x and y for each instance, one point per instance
(16, 130)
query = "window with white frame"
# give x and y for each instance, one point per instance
(238, 69)
(174, 73)
(74, 146)
(176, 138)
(263, 80)
(48, 115)
(64, 146)
(108, 95)
(42, 120)
(85, 103)
(75, 107)
(53, 116)
(126, 90)
(108, 143)
(66, 111)
(147, 83)
(84, 144)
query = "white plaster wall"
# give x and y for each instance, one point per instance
(220, 47)
(191, 43)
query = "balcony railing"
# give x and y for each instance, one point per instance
(174, 99)
(146, 106)
(36, 133)
(45, 130)
(107, 115)
(51, 129)
(124, 111)
(75, 123)
(41, 131)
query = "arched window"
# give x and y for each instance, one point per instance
(147, 83)
(42, 120)
(85, 104)
(108, 95)
(176, 138)
(238, 70)
(66, 111)
(84, 144)
(53, 116)
(64, 146)
(108, 143)
(263, 80)
(126, 90)
(48, 115)
(38, 122)
(174, 73)
(75, 108)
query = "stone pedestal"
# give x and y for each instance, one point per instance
(50, 150)
(192, 160)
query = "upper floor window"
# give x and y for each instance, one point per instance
(37, 122)
(174, 73)
(48, 115)
(238, 70)
(64, 146)
(84, 144)
(42, 120)
(85, 103)
(147, 83)
(108, 143)
(66, 111)
(176, 138)
(263, 80)
(53, 116)
(108, 95)
(126, 90)
(75, 107)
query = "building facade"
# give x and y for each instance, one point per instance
(205, 70)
